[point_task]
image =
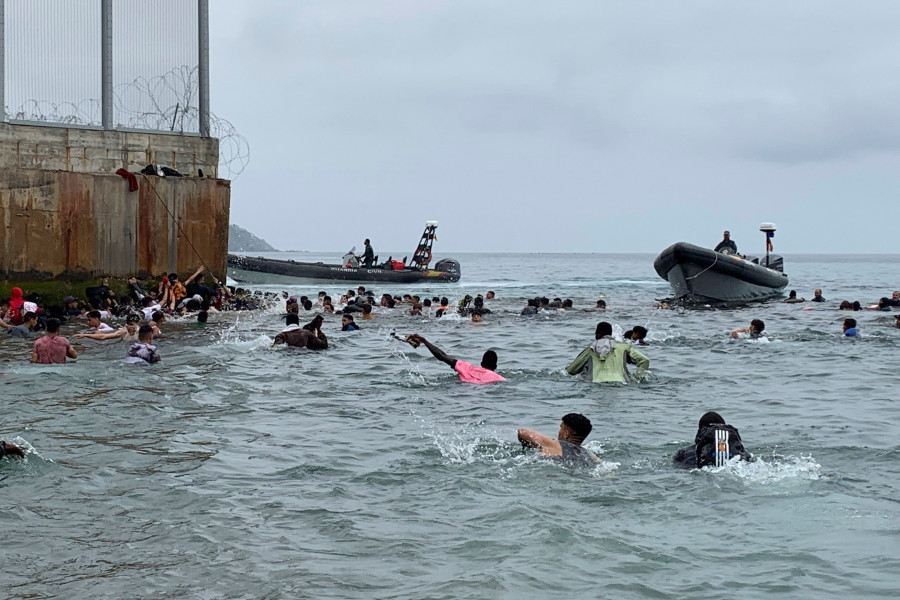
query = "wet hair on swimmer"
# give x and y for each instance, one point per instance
(489, 360)
(52, 325)
(292, 319)
(603, 328)
(758, 325)
(145, 332)
(579, 425)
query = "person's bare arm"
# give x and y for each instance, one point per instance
(736, 332)
(99, 336)
(436, 352)
(5, 325)
(194, 276)
(533, 439)
(70, 352)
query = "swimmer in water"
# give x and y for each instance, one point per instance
(793, 299)
(754, 331)
(850, 329)
(567, 447)
(702, 453)
(7, 449)
(347, 323)
(298, 337)
(468, 373)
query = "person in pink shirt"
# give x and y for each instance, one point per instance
(52, 348)
(468, 373)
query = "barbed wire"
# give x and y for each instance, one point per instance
(168, 103)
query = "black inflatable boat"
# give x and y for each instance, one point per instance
(701, 275)
(270, 270)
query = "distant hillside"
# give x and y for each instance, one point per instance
(241, 240)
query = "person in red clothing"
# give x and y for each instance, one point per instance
(16, 303)
(468, 373)
(52, 348)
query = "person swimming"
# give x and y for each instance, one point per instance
(707, 444)
(347, 323)
(850, 329)
(468, 373)
(753, 332)
(567, 447)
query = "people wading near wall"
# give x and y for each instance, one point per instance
(298, 337)
(143, 352)
(52, 348)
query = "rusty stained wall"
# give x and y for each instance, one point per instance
(79, 225)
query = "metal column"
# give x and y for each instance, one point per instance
(3, 61)
(203, 64)
(106, 73)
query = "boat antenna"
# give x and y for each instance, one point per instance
(769, 230)
(422, 255)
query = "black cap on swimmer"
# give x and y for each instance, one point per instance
(710, 418)
(489, 360)
(579, 425)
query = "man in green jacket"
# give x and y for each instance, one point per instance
(604, 360)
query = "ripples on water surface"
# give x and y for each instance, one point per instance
(235, 470)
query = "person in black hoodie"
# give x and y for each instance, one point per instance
(702, 452)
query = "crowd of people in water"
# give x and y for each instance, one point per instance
(145, 308)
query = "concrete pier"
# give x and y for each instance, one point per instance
(64, 213)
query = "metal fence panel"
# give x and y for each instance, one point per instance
(52, 69)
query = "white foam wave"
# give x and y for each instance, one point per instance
(777, 469)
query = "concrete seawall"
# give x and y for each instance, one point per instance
(65, 214)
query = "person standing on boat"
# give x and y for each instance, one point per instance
(368, 255)
(727, 245)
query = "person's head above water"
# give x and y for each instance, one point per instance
(757, 326)
(792, 294)
(292, 319)
(489, 360)
(849, 324)
(638, 333)
(53, 326)
(575, 428)
(603, 328)
(710, 418)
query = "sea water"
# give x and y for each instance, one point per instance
(238, 470)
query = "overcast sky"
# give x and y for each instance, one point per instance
(577, 126)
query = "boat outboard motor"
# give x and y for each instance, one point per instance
(447, 264)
